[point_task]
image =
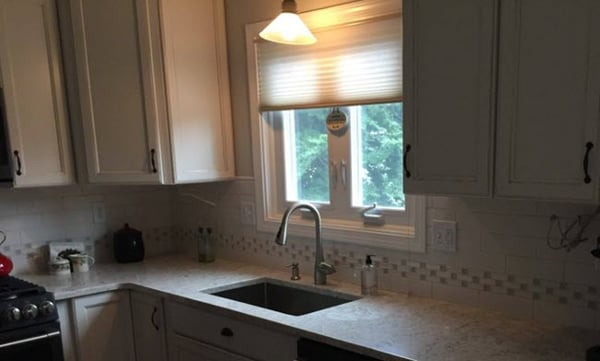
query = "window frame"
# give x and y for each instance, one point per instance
(267, 141)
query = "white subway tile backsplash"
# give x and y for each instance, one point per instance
(502, 261)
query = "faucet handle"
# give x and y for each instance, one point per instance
(295, 271)
(326, 268)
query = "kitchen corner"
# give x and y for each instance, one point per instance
(389, 326)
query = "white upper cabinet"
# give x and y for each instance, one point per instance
(549, 100)
(117, 91)
(34, 94)
(199, 109)
(449, 50)
(537, 136)
(154, 90)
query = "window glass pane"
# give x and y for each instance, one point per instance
(311, 155)
(381, 155)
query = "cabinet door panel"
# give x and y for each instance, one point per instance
(103, 327)
(197, 83)
(549, 92)
(449, 80)
(118, 93)
(148, 327)
(34, 92)
(66, 330)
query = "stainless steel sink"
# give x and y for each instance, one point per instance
(291, 299)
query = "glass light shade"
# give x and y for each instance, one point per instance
(288, 28)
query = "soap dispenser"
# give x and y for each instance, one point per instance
(368, 277)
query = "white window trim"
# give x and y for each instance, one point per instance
(410, 237)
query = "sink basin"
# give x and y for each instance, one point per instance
(291, 299)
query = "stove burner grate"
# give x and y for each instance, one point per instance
(12, 288)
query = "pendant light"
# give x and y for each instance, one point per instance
(288, 28)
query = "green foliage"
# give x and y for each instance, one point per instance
(381, 146)
(312, 155)
(381, 133)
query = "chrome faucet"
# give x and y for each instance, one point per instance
(322, 268)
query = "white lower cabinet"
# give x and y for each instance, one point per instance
(103, 329)
(124, 326)
(194, 334)
(66, 330)
(148, 327)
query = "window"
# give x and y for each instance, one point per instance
(353, 72)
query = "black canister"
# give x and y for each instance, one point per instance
(128, 245)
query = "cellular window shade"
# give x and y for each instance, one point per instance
(349, 65)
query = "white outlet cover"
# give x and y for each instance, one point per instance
(247, 216)
(443, 236)
(99, 212)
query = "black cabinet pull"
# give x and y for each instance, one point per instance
(152, 153)
(16, 153)
(586, 161)
(405, 159)
(152, 318)
(227, 332)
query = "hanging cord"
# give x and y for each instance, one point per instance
(565, 242)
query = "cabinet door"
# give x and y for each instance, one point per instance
(34, 93)
(103, 327)
(549, 93)
(148, 327)
(66, 330)
(115, 65)
(197, 82)
(182, 348)
(449, 83)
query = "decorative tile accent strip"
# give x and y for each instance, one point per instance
(395, 270)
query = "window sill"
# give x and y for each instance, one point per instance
(400, 238)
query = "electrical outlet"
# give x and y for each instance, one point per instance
(443, 236)
(247, 213)
(99, 212)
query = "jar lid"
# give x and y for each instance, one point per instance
(126, 230)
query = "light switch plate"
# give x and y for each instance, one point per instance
(443, 236)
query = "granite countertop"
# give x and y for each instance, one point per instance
(389, 326)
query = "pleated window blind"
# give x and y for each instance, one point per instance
(350, 64)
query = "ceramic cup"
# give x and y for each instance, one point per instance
(81, 262)
(59, 267)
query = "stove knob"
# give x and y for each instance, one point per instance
(12, 314)
(30, 311)
(47, 308)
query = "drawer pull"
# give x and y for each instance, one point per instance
(226, 332)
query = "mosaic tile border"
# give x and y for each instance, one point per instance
(527, 288)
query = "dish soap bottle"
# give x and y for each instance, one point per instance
(368, 277)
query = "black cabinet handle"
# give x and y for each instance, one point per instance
(152, 318)
(227, 332)
(586, 161)
(152, 153)
(405, 159)
(16, 153)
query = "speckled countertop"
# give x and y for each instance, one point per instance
(389, 326)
